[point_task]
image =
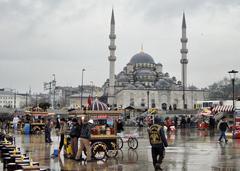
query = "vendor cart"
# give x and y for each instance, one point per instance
(36, 120)
(103, 133)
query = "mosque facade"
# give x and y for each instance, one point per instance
(143, 83)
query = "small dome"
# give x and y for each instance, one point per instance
(97, 105)
(162, 84)
(130, 86)
(141, 58)
(139, 85)
(122, 77)
(145, 72)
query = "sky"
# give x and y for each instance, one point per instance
(39, 38)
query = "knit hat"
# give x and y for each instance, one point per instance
(157, 120)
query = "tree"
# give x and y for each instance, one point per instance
(44, 105)
(223, 89)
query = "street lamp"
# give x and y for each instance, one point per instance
(54, 87)
(91, 88)
(148, 98)
(82, 88)
(233, 76)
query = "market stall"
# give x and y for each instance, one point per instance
(203, 119)
(34, 120)
(104, 129)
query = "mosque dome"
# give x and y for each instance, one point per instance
(142, 58)
(162, 84)
(130, 86)
(145, 72)
(122, 77)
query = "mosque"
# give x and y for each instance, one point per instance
(143, 83)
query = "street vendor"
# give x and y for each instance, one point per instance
(85, 139)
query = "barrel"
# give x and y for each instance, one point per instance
(26, 128)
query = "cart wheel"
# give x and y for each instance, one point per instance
(132, 143)
(119, 143)
(99, 150)
(112, 151)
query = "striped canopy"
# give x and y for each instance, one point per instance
(224, 108)
(97, 105)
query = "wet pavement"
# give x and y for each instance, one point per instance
(188, 150)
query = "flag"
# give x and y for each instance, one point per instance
(89, 101)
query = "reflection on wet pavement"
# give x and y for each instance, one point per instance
(189, 150)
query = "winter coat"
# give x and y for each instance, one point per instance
(86, 131)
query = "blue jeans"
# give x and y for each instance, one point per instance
(222, 135)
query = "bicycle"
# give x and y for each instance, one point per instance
(131, 139)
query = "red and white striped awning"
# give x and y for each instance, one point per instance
(224, 108)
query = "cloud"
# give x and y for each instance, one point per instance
(65, 36)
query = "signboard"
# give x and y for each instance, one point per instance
(237, 113)
(237, 121)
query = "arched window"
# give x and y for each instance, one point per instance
(131, 101)
(164, 106)
(143, 102)
(174, 107)
(153, 105)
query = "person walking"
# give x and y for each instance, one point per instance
(48, 131)
(223, 126)
(158, 142)
(57, 127)
(62, 131)
(15, 123)
(85, 140)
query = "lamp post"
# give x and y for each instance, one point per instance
(54, 87)
(233, 76)
(91, 88)
(148, 98)
(15, 100)
(82, 88)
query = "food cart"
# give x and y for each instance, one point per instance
(203, 119)
(103, 133)
(35, 119)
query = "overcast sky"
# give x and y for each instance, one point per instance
(39, 38)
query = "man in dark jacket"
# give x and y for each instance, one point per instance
(74, 134)
(158, 142)
(223, 126)
(84, 139)
(48, 131)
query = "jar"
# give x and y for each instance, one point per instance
(108, 131)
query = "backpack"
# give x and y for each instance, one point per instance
(154, 134)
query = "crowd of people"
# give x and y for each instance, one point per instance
(79, 130)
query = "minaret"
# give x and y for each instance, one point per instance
(184, 60)
(112, 59)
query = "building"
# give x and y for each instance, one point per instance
(71, 96)
(11, 99)
(143, 83)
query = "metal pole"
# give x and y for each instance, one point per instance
(233, 84)
(50, 91)
(148, 98)
(36, 100)
(26, 99)
(54, 86)
(82, 88)
(92, 88)
(15, 99)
